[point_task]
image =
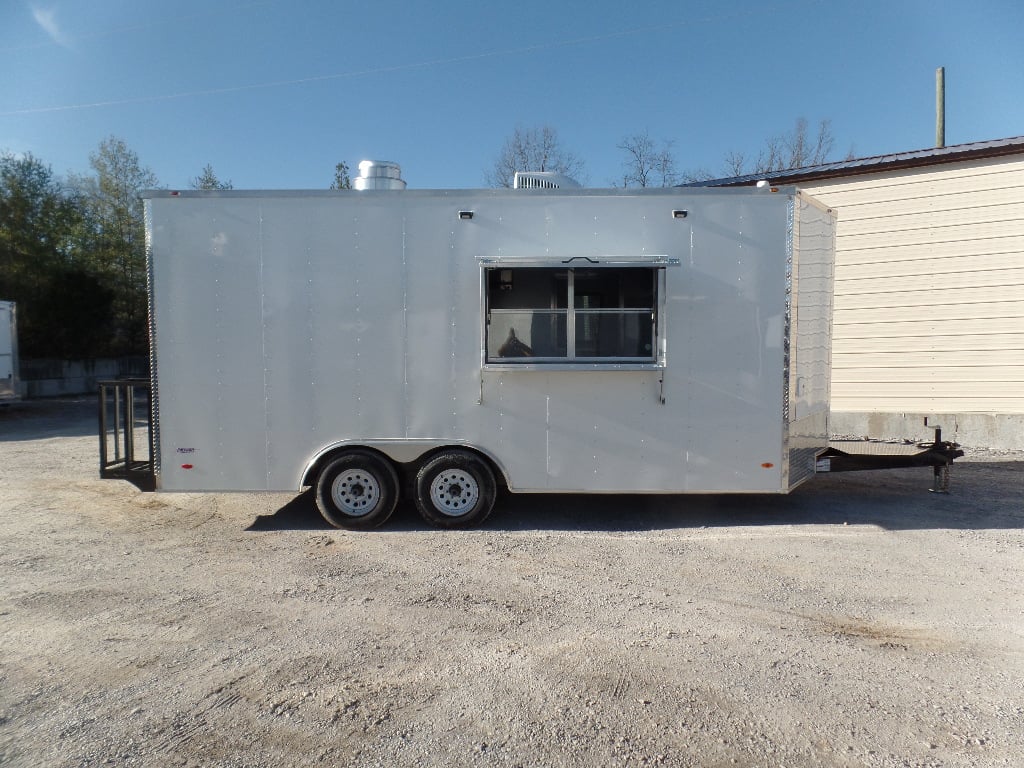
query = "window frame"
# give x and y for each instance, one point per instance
(657, 360)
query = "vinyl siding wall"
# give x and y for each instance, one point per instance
(929, 289)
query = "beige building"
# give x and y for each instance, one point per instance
(929, 291)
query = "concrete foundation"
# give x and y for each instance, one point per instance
(1002, 431)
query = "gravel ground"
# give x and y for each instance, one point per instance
(860, 621)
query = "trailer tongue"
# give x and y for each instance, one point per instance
(854, 455)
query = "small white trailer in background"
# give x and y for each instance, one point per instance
(446, 343)
(10, 386)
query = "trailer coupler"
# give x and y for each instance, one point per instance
(857, 455)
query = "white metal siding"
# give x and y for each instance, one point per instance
(929, 288)
(810, 344)
(289, 323)
(8, 352)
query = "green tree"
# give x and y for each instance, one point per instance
(208, 180)
(113, 235)
(30, 208)
(342, 179)
(63, 308)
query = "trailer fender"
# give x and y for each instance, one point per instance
(401, 452)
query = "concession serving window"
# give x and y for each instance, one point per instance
(580, 311)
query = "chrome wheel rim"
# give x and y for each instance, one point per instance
(355, 492)
(454, 492)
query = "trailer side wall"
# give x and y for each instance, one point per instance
(286, 324)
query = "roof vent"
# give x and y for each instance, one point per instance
(542, 180)
(378, 174)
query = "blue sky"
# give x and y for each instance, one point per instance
(273, 93)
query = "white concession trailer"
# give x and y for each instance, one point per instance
(448, 343)
(9, 383)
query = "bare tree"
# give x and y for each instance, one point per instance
(532, 149)
(647, 163)
(796, 149)
(697, 174)
(781, 152)
(803, 150)
(824, 143)
(735, 163)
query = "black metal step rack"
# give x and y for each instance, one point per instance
(124, 408)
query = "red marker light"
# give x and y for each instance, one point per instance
(186, 466)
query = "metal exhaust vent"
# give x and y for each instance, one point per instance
(378, 174)
(542, 180)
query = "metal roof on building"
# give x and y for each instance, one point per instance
(879, 163)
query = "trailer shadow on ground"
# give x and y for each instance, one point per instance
(985, 495)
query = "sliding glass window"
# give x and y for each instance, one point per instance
(560, 314)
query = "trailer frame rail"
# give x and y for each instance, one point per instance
(938, 454)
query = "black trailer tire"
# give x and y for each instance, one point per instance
(455, 489)
(357, 490)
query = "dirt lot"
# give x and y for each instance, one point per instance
(859, 621)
